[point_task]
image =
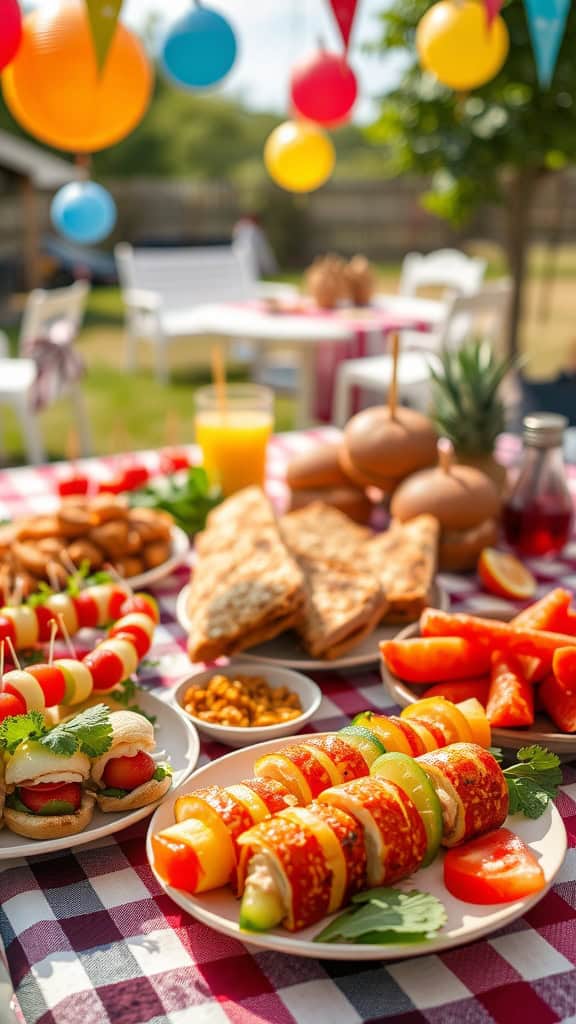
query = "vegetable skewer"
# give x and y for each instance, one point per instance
(203, 855)
(285, 870)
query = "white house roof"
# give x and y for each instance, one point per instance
(45, 170)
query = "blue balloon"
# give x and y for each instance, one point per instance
(199, 49)
(84, 212)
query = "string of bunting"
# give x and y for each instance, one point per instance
(344, 12)
(103, 17)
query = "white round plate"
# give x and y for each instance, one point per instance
(180, 549)
(175, 734)
(542, 731)
(546, 836)
(285, 650)
(233, 736)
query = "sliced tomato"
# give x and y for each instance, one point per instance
(460, 689)
(11, 704)
(129, 772)
(36, 798)
(52, 681)
(87, 611)
(495, 868)
(443, 713)
(141, 603)
(117, 600)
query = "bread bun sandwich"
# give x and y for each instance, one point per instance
(465, 502)
(381, 448)
(126, 776)
(46, 798)
(316, 475)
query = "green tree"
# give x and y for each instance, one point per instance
(493, 145)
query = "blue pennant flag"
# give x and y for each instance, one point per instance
(547, 23)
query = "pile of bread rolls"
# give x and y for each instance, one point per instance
(397, 454)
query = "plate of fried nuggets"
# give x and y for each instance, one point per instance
(142, 544)
(313, 589)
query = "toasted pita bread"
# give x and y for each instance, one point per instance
(246, 587)
(340, 609)
(405, 560)
(321, 533)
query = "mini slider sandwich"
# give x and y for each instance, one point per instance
(46, 798)
(126, 776)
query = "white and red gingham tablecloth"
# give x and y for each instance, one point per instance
(90, 937)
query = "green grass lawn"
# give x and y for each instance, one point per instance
(131, 411)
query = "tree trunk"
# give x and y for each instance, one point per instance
(520, 195)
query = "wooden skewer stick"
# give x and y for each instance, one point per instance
(53, 633)
(445, 454)
(219, 378)
(54, 581)
(68, 562)
(13, 653)
(67, 637)
(393, 392)
(118, 578)
(17, 592)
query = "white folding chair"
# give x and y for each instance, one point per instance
(164, 291)
(484, 313)
(42, 311)
(444, 268)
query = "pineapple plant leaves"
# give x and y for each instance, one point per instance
(466, 404)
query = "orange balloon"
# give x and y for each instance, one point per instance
(54, 90)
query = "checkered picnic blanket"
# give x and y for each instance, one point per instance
(90, 936)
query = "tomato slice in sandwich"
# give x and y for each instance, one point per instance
(495, 868)
(129, 772)
(52, 797)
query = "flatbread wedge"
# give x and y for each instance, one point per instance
(321, 533)
(340, 609)
(245, 514)
(405, 561)
(245, 588)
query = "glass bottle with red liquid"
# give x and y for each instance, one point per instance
(538, 514)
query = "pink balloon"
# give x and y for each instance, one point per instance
(323, 88)
(11, 30)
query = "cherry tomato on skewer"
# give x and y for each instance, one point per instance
(106, 669)
(52, 681)
(11, 704)
(144, 603)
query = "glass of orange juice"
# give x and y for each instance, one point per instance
(233, 430)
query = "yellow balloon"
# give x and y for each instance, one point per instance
(299, 156)
(456, 44)
(54, 89)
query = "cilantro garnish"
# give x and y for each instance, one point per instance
(40, 596)
(125, 692)
(385, 915)
(533, 781)
(84, 578)
(89, 732)
(163, 771)
(17, 728)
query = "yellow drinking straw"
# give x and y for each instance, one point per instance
(219, 378)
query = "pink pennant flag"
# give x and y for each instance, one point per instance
(492, 10)
(344, 11)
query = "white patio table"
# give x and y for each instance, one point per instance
(343, 333)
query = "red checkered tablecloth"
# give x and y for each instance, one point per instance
(90, 937)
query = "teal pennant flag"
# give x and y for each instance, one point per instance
(547, 23)
(103, 17)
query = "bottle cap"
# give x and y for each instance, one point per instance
(544, 429)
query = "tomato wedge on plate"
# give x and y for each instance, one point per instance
(495, 868)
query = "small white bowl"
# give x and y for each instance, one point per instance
(235, 736)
